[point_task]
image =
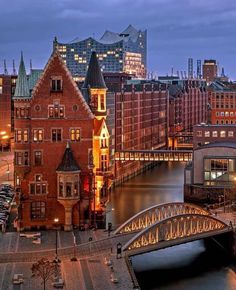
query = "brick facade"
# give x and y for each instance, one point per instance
(55, 108)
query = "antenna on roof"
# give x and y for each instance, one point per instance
(31, 64)
(14, 67)
(172, 71)
(5, 67)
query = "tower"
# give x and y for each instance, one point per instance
(94, 90)
(190, 68)
(199, 69)
(21, 100)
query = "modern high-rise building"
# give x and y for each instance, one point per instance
(116, 52)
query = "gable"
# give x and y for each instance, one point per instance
(56, 68)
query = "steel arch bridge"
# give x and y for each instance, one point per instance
(156, 213)
(173, 231)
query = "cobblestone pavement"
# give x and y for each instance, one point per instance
(84, 274)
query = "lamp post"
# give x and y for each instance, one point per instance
(74, 259)
(56, 260)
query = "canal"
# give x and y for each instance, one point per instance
(184, 267)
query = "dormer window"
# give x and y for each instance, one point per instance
(56, 84)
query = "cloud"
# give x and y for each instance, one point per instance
(176, 29)
(77, 14)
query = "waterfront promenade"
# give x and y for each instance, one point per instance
(89, 272)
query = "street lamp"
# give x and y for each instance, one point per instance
(56, 260)
(74, 259)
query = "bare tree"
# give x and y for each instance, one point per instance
(43, 269)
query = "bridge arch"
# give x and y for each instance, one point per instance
(153, 214)
(175, 230)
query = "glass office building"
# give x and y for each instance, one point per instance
(116, 52)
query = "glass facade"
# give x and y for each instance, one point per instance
(219, 171)
(115, 52)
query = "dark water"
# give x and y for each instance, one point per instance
(184, 267)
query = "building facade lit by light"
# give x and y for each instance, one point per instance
(116, 52)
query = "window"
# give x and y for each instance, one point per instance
(56, 111)
(214, 134)
(68, 189)
(207, 133)
(102, 102)
(56, 84)
(219, 171)
(104, 162)
(222, 134)
(222, 114)
(38, 135)
(38, 210)
(231, 114)
(56, 135)
(39, 186)
(22, 158)
(0, 85)
(104, 141)
(199, 133)
(38, 158)
(75, 134)
(21, 135)
(230, 134)
(22, 112)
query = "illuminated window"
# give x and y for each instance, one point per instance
(230, 134)
(214, 134)
(103, 141)
(222, 134)
(37, 135)
(75, 134)
(102, 102)
(104, 162)
(207, 133)
(0, 85)
(56, 111)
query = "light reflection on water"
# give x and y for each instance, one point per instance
(184, 267)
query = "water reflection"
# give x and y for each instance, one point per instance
(184, 267)
(163, 183)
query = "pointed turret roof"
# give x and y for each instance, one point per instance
(22, 86)
(68, 162)
(94, 78)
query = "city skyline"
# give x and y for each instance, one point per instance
(176, 31)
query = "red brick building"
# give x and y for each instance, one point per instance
(61, 146)
(7, 87)
(140, 121)
(188, 106)
(209, 70)
(222, 99)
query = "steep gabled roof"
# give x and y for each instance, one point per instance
(22, 86)
(68, 162)
(55, 54)
(99, 125)
(94, 78)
